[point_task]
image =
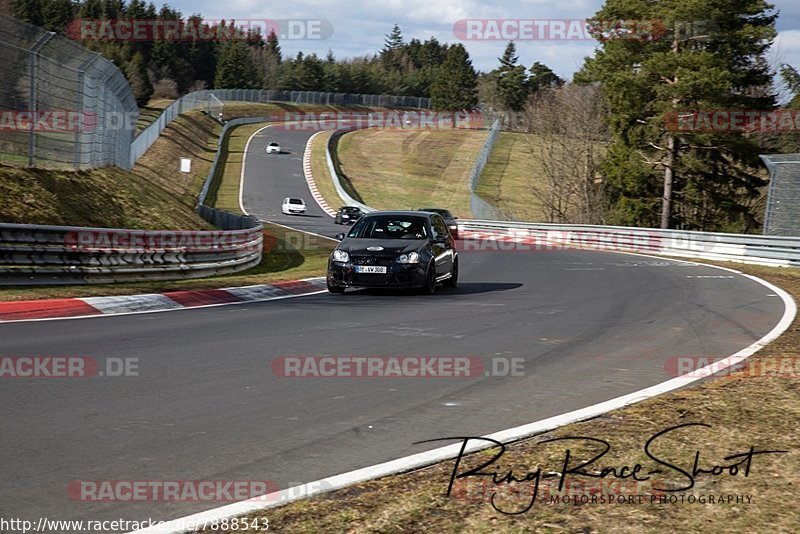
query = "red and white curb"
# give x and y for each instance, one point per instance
(312, 185)
(73, 308)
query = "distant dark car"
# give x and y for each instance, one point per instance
(449, 220)
(410, 249)
(347, 215)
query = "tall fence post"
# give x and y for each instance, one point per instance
(33, 103)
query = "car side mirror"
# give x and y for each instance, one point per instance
(340, 236)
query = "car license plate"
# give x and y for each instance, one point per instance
(376, 269)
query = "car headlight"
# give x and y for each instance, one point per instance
(411, 257)
(341, 255)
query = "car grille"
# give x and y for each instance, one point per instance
(373, 260)
(370, 279)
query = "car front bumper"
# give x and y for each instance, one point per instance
(397, 275)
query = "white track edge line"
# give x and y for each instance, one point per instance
(185, 524)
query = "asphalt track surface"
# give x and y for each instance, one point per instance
(272, 177)
(206, 405)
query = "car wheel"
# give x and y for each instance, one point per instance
(453, 280)
(429, 288)
(334, 289)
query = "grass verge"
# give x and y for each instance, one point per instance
(224, 190)
(742, 409)
(403, 169)
(149, 113)
(512, 171)
(105, 197)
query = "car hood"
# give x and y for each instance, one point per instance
(390, 246)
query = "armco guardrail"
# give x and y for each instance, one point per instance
(32, 254)
(336, 172)
(74, 255)
(742, 248)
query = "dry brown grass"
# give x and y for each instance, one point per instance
(410, 169)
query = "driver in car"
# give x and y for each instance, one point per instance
(414, 231)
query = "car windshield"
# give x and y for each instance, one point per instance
(351, 210)
(444, 213)
(295, 201)
(273, 144)
(390, 227)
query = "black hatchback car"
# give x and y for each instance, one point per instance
(412, 249)
(347, 215)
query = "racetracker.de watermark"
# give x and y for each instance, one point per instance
(395, 366)
(48, 120)
(161, 241)
(210, 30)
(389, 120)
(581, 29)
(555, 240)
(172, 490)
(753, 367)
(65, 121)
(66, 367)
(733, 121)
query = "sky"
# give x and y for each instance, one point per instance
(359, 27)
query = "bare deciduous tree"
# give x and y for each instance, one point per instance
(569, 125)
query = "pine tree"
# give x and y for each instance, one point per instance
(542, 77)
(30, 11)
(57, 15)
(511, 82)
(659, 174)
(456, 81)
(273, 47)
(392, 48)
(136, 73)
(235, 67)
(91, 9)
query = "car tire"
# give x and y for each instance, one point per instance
(429, 287)
(452, 282)
(334, 289)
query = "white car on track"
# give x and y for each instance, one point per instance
(293, 206)
(273, 147)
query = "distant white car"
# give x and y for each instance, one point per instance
(293, 206)
(273, 147)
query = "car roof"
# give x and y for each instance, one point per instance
(435, 210)
(408, 213)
